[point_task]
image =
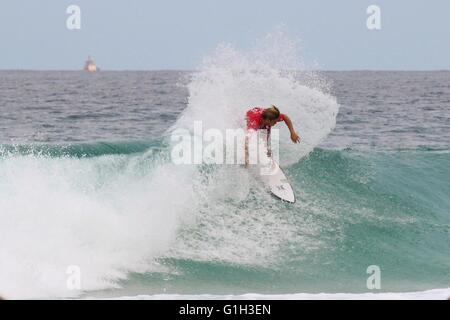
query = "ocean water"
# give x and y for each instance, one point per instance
(86, 181)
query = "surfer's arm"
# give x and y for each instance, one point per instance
(294, 136)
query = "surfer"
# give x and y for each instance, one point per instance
(260, 118)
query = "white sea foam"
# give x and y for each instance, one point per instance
(104, 215)
(434, 294)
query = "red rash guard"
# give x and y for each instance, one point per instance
(254, 117)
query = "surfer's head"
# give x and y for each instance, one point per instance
(270, 116)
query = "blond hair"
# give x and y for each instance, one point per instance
(271, 113)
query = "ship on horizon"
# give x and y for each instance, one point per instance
(90, 66)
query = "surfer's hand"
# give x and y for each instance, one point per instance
(295, 137)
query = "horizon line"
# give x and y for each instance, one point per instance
(196, 70)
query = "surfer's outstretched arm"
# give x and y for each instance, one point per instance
(294, 136)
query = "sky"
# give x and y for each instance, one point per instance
(177, 34)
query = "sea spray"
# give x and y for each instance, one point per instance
(230, 82)
(236, 220)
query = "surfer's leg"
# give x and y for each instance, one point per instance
(246, 153)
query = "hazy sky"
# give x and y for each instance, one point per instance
(176, 34)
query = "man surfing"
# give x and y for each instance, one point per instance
(260, 118)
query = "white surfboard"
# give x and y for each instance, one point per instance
(270, 172)
(275, 180)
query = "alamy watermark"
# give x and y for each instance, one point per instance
(373, 21)
(229, 146)
(374, 280)
(73, 281)
(73, 22)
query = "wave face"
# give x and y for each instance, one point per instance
(355, 209)
(137, 221)
(113, 204)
